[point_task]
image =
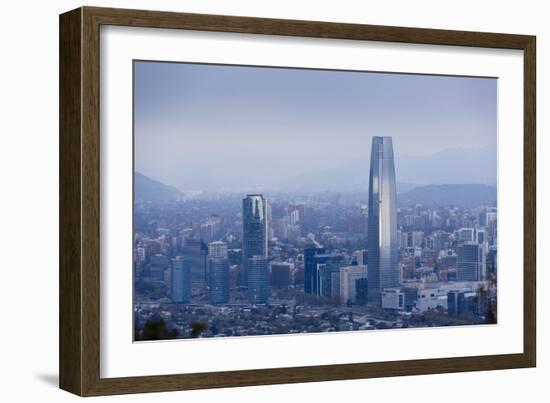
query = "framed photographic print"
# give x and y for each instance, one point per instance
(249, 201)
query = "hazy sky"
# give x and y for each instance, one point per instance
(250, 125)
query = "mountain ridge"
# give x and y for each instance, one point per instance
(452, 166)
(464, 195)
(148, 189)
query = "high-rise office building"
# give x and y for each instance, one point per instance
(318, 269)
(328, 279)
(403, 239)
(158, 265)
(181, 280)
(470, 264)
(417, 237)
(218, 273)
(211, 228)
(361, 290)
(195, 251)
(482, 218)
(217, 249)
(460, 302)
(480, 236)
(312, 249)
(348, 278)
(152, 248)
(257, 278)
(255, 228)
(491, 264)
(465, 235)
(360, 257)
(383, 245)
(280, 274)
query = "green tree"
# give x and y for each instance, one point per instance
(197, 328)
(155, 329)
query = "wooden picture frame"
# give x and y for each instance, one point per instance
(79, 347)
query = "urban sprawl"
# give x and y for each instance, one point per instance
(227, 264)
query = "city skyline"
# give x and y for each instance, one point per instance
(447, 268)
(303, 230)
(280, 269)
(184, 111)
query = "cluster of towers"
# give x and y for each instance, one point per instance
(209, 265)
(321, 269)
(185, 275)
(383, 245)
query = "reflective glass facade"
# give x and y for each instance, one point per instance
(257, 280)
(255, 228)
(181, 280)
(470, 262)
(383, 247)
(218, 280)
(195, 251)
(218, 273)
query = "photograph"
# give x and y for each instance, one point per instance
(270, 200)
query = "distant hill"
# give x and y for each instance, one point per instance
(451, 166)
(147, 189)
(444, 195)
(351, 177)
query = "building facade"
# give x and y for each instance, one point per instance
(348, 280)
(195, 251)
(217, 249)
(328, 279)
(280, 274)
(181, 280)
(469, 262)
(310, 266)
(158, 266)
(383, 245)
(257, 280)
(255, 229)
(218, 273)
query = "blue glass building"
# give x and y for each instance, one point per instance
(195, 251)
(469, 266)
(181, 280)
(310, 267)
(218, 273)
(319, 268)
(383, 246)
(328, 279)
(158, 264)
(255, 227)
(257, 280)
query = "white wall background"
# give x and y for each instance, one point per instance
(29, 202)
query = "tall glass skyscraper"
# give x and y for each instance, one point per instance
(257, 280)
(470, 262)
(383, 246)
(181, 280)
(195, 251)
(218, 273)
(310, 266)
(255, 227)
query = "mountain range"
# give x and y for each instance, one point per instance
(465, 195)
(445, 195)
(452, 166)
(147, 189)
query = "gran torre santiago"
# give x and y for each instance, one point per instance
(383, 249)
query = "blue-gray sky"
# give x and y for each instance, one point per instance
(201, 127)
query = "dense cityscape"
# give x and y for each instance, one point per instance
(232, 264)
